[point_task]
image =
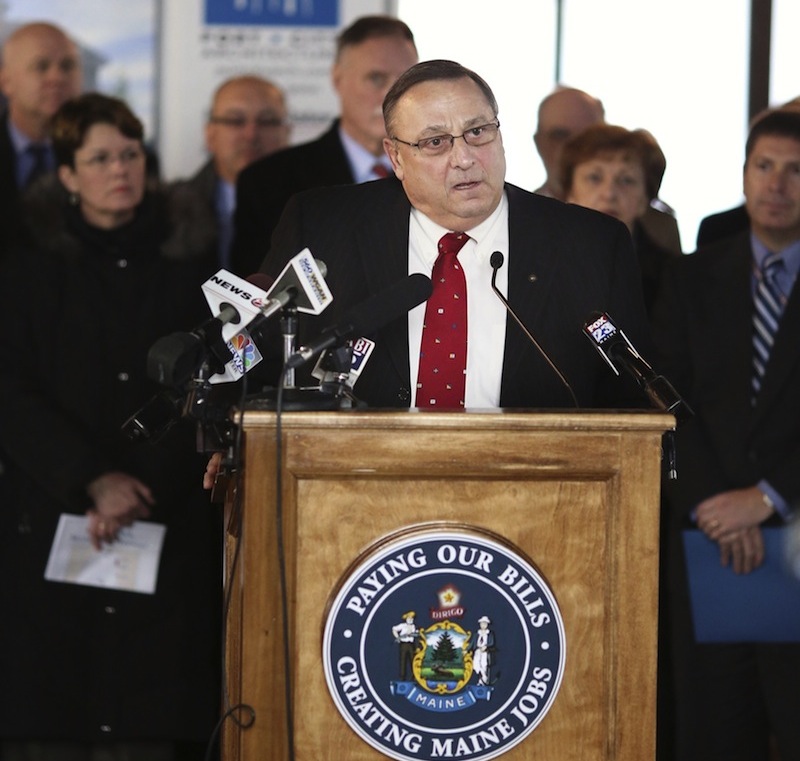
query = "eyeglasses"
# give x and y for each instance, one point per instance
(238, 122)
(438, 145)
(102, 160)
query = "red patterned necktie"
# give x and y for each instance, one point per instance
(379, 170)
(443, 353)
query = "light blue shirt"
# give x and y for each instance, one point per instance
(225, 203)
(362, 162)
(24, 160)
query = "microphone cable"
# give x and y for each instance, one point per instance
(496, 260)
(284, 594)
(232, 711)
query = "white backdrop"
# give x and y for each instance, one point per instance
(196, 57)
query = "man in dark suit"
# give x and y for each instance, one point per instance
(371, 54)
(561, 262)
(725, 224)
(722, 225)
(247, 121)
(41, 69)
(739, 457)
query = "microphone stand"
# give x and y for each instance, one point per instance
(289, 331)
(497, 262)
(292, 398)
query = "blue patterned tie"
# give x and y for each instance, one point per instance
(768, 308)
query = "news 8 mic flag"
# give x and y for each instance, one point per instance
(302, 276)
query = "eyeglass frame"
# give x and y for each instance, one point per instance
(453, 138)
(237, 122)
(103, 160)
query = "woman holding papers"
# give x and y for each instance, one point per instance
(95, 658)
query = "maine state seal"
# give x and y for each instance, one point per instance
(443, 642)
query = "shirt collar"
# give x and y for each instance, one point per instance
(361, 160)
(20, 140)
(790, 254)
(480, 233)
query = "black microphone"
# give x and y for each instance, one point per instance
(369, 316)
(496, 260)
(173, 359)
(619, 353)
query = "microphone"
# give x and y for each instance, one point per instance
(369, 316)
(301, 282)
(619, 354)
(238, 303)
(496, 260)
(173, 359)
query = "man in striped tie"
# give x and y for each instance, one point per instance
(728, 329)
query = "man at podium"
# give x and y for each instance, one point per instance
(449, 214)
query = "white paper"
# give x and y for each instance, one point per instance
(130, 563)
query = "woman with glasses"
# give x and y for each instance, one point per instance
(105, 275)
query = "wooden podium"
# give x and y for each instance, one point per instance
(577, 492)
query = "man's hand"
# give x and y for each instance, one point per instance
(731, 512)
(743, 549)
(732, 519)
(212, 470)
(119, 500)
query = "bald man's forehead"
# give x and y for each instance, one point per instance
(249, 87)
(38, 36)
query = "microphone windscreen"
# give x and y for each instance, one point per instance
(260, 280)
(391, 303)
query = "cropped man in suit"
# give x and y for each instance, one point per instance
(370, 55)
(728, 331)
(247, 121)
(40, 70)
(725, 224)
(561, 262)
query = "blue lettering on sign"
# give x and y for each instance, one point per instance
(274, 12)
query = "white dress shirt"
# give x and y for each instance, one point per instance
(486, 315)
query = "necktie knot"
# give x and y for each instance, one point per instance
(380, 170)
(452, 243)
(771, 265)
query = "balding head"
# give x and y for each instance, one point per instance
(562, 114)
(248, 121)
(40, 71)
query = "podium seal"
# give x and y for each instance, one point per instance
(443, 642)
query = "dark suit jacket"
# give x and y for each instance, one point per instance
(565, 262)
(193, 211)
(722, 225)
(264, 187)
(11, 228)
(704, 336)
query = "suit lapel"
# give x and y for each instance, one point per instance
(533, 268)
(382, 246)
(722, 303)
